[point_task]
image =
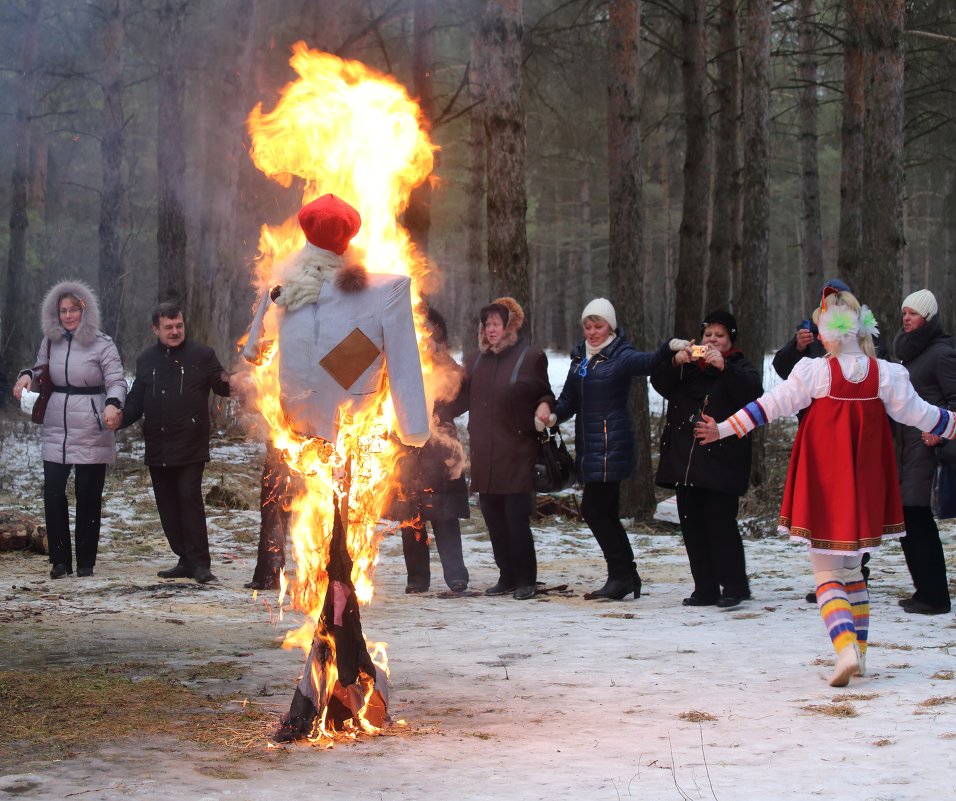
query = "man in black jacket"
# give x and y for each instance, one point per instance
(171, 388)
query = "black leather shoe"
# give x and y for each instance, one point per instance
(921, 608)
(458, 586)
(59, 571)
(524, 592)
(728, 601)
(501, 588)
(203, 575)
(695, 601)
(180, 571)
(617, 589)
(83, 572)
(263, 584)
(415, 589)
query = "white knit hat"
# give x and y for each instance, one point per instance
(923, 302)
(601, 307)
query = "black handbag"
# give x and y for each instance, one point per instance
(943, 495)
(44, 385)
(554, 467)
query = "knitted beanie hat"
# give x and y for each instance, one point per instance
(328, 222)
(601, 307)
(724, 318)
(923, 302)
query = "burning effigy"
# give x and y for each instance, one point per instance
(338, 364)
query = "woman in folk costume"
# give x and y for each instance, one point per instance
(842, 493)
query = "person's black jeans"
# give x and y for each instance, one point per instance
(600, 507)
(178, 492)
(508, 517)
(924, 557)
(89, 482)
(447, 534)
(274, 516)
(708, 520)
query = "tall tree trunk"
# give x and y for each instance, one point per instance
(475, 277)
(17, 341)
(585, 248)
(948, 310)
(692, 257)
(752, 339)
(113, 218)
(418, 215)
(850, 255)
(883, 239)
(625, 271)
(171, 154)
(564, 251)
(501, 34)
(670, 263)
(812, 234)
(218, 285)
(725, 233)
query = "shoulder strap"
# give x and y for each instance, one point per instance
(517, 368)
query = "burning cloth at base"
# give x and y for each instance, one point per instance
(343, 332)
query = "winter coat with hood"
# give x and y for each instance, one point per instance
(430, 480)
(724, 465)
(171, 388)
(603, 436)
(74, 431)
(503, 387)
(927, 354)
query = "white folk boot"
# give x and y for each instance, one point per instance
(848, 664)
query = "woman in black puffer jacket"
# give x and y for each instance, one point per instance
(709, 479)
(926, 351)
(596, 393)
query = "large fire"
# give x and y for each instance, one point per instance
(344, 129)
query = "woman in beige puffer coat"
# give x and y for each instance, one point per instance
(89, 389)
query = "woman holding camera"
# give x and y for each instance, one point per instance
(595, 394)
(712, 378)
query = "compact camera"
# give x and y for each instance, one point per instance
(698, 351)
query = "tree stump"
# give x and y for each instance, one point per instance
(19, 532)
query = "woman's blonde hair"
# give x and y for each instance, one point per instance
(848, 301)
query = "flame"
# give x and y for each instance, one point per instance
(340, 127)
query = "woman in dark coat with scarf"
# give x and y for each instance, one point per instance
(709, 479)
(596, 393)
(926, 351)
(505, 389)
(82, 413)
(431, 484)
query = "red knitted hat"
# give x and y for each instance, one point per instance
(329, 223)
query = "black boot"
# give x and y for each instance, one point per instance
(617, 589)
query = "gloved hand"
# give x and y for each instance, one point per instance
(678, 344)
(540, 425)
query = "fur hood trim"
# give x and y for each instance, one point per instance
(88, 329)
(515, 321)
(302, 274)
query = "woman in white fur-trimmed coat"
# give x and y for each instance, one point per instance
(88, 392)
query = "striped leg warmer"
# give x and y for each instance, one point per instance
(838, 615)
(859, 597)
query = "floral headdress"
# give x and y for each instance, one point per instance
(839, 323)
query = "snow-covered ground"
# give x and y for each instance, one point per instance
(553, 698)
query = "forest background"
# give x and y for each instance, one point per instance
(673, 155)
